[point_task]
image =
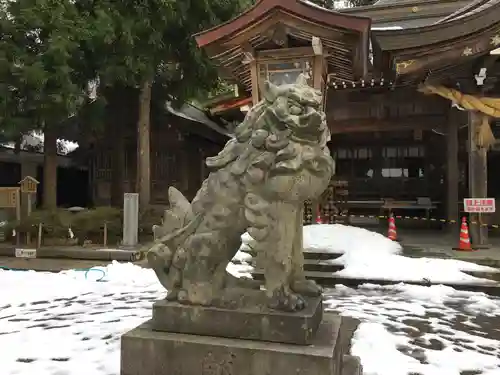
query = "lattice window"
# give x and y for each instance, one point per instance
(102, 165)
(166, 167)
(355, 162)
(403, 162)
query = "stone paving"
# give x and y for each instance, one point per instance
(437, 244)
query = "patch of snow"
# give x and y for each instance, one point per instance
(34, 140)
(426, 330)
(67, 323)
(240, 270)
(241, 256)
(348, 240)
(339, 4)
(382, 28)
(372, 341)
(370, 255)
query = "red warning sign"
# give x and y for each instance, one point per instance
(479, 205)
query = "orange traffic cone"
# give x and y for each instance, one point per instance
(392, 233)
(319, 220)
(464, 241)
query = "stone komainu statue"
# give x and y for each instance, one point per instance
(258, 183)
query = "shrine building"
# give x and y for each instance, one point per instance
(409, 90)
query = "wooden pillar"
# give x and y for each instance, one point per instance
(117, 167)
(452, 169)
(28, 169)
(255, 81)
(184, 164)
(318, 76)
(478, 179)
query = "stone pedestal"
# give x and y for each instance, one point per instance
(148, 352)
(250, 321)
(195, 340)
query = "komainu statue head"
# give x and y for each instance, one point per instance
(282, 136)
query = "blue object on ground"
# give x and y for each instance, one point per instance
(86, 270)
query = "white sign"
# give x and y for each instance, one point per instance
(25, 253)
(482, 205)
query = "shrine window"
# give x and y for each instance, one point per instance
(355, 162)
(130, 161)
(403, 162)
(166, 167)
(281, 73)
(102, 164)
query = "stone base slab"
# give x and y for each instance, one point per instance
(148, 352)
(252, 320)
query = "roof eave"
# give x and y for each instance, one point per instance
(438, 33)
(300, 8)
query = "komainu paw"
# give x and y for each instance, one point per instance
(284, 300)
(307, 288)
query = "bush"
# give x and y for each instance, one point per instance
(55, 223)
(86, 224)
(151, 216)
(89, 225)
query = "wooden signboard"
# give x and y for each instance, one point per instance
(29, 185)
(25, 253)
(10, 198)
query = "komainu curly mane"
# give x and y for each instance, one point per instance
(258, 183)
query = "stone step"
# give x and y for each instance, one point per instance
(329, 279)
(320, 254)
(321, 265)
(318, 265)
(313, 254)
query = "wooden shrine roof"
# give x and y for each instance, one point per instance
(456, 40)
(469, 9)
(398, 2)
(399, 56)
(404, 14)
(344, 37)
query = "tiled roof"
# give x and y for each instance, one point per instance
(468, 10)
(398, 2)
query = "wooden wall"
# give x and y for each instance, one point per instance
(390, 164)
(389, 143)
(384, 109)
(177, 158)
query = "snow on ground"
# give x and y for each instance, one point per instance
(421, 330)
(70, 324)
(370, 255)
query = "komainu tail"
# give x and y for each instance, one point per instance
(179, 213)
(178, 224)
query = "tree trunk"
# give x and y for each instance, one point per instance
(116, 119)
(50, 169)
(117, 170)
(17, 145)
(143, 146)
